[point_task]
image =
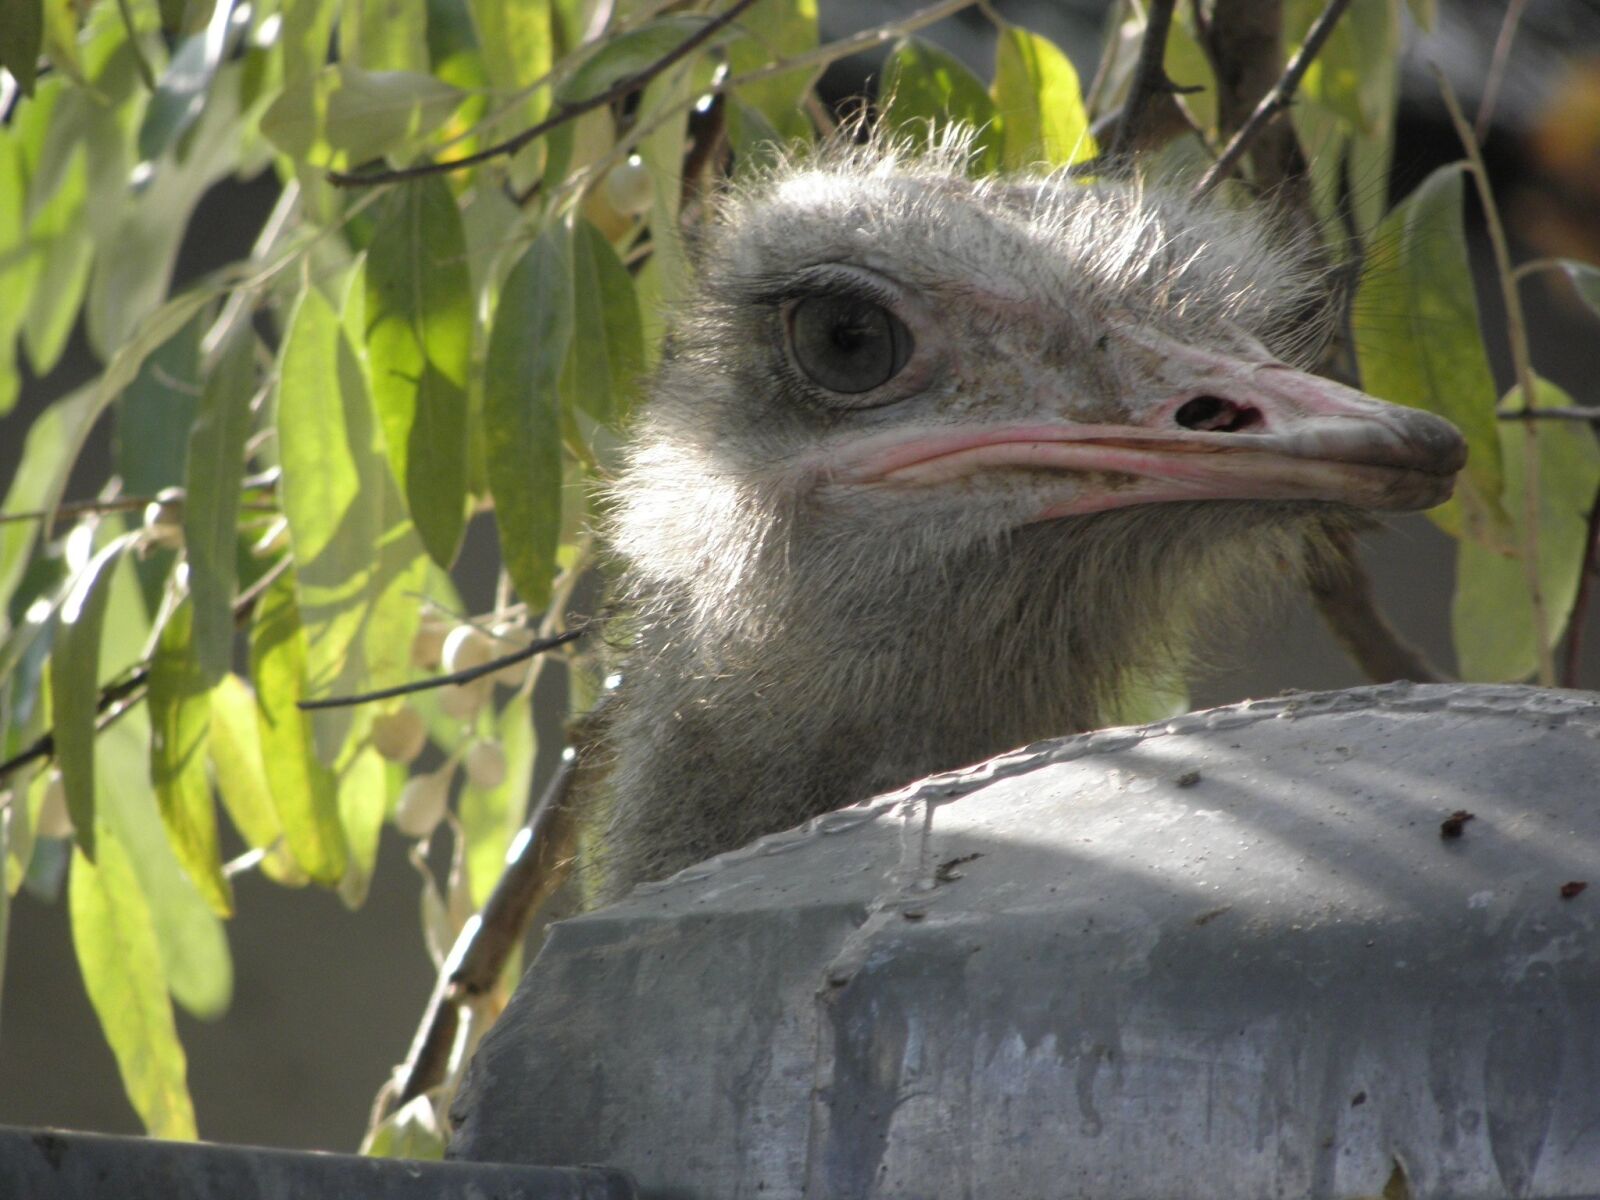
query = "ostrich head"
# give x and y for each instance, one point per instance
(934, 467)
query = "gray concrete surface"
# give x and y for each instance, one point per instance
(1233, 955)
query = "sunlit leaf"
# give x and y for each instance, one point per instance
(1492, 616)
(1041, 108)
(411, 1131)
(925, 88)
(1418, 342)
(606, 357)
(241, 778)
(115, 941)
(180, 721)
(304, 791)
(75, 684)
(384, 35)
(776, 30)
(518, 43)
(522, 424)
(419, 336)
(358, 560)
(211, 511)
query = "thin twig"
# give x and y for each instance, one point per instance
(1517, 336)
(1497, 69)
(1275, 101)
(567, 112)
(457, 678)
(1343, 591)
(1580, 603)
(1576, 413)
(1149, 81)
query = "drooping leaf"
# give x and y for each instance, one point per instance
(491, 817)
(615, 58)
(304, 792)
(925, 88)
(385, 35)
(211, 511)
(363, 801)
(184, 85)
(1492, 615)
(517, 41)
(419, 337)
(241, 777)
(194, 950)
(117, 952)
(522, 422)
(606, 356)
(75, 684)
(41, 474)
(180, 720)
(1418, 342)
(1042, 118)
(358, 560)
(156, 411)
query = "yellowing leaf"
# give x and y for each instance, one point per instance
(303, 790)
(121, 964)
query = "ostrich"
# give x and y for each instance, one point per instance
(934, 467)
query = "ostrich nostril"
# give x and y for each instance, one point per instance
(1213, 414)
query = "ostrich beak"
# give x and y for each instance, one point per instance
(1231, 430)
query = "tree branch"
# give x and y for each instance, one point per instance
(1276, 99)
(455, 677)
(1149, 83)
(567, 112)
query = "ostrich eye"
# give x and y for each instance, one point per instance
(847, 344)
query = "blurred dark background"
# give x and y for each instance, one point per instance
(326, 1000)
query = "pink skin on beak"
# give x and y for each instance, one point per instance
(1240, 431)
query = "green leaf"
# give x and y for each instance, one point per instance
(492, 817)
(518, 45)
(385, 35)
(156, 411)
(419, 337)
(180, 720)
(241, 777)
(371, 113)
(1586, 279)
(182, 90)
(194, 950)
(75, 684)
(21, 39)
(304, 791)
(1492, 616)
(1036, 93)
(47, 456)
(1418, 342)
(522, 421)
(777, 30)
(115, 940)
(616, 58)
(925, 88)
(211, 511)
(411, 1131)
(358, 559)
(606, 357)
(363, 801)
